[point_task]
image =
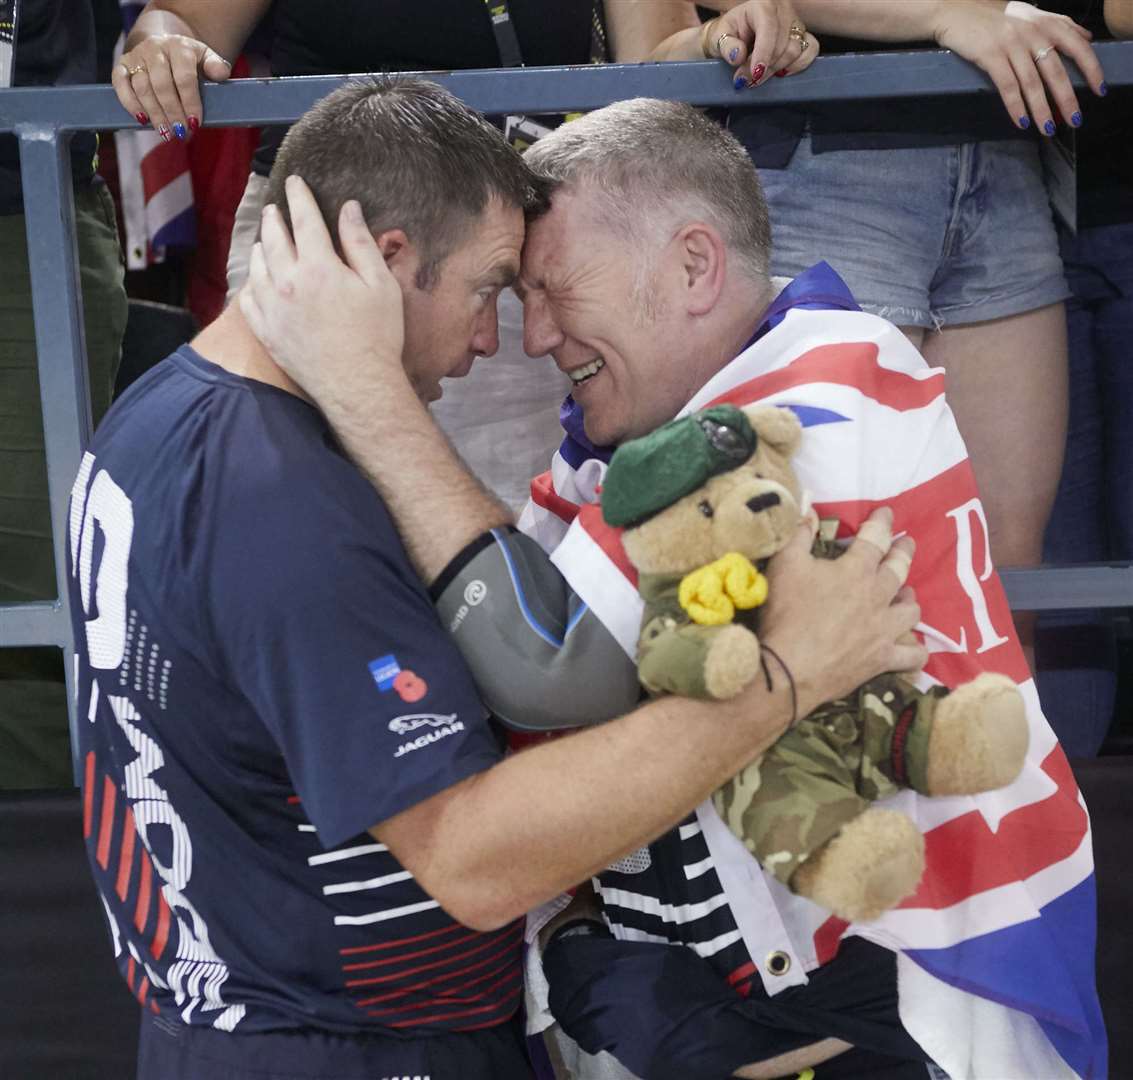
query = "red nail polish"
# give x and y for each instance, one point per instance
(194, 123)
(164, 133)
(758, 72)
(141, 118)
(780, 74)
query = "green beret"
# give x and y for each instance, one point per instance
(653, 472)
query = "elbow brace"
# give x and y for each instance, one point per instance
(541, 659)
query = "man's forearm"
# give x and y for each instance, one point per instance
(438, 506)
(1119, 17)
(508, 839)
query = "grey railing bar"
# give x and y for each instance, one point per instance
(43, 623)
(1057, 588)
(855, 76)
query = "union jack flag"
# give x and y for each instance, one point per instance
(156, 184)
(996, 947)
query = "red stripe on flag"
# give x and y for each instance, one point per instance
(608, 538)
(852, 364)
(543, 494)
(106, 822)
(355, 949)
(828, 937)
(145, 888)
(161, 935)
(126, 855)
(88, 794)
(964, 857)
(161, 166)
(410, 956)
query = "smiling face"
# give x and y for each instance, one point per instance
(617, 332)
(451, 323)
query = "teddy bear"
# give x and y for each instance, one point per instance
(704, 502)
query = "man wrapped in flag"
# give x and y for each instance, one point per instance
(647, 281)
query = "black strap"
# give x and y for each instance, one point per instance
(504, 29)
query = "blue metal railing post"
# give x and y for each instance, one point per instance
(45, 169)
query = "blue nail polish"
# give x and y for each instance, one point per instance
(733, 54)
(1048, 127)
(1076, 120)
(179, 130)
(1103, 89)
(739, 82)
(1024, 122)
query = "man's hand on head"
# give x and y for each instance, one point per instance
(335, 327)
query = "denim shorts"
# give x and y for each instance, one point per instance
(928, 237)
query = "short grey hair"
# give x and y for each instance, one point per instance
(656, 165)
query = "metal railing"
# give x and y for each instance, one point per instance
(44, 119)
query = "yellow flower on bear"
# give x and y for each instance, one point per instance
(711, 593)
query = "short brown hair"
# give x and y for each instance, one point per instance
(413, 155)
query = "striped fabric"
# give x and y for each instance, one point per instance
(156, 186)
(997, 944)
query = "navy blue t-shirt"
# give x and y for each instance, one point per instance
(261, 678)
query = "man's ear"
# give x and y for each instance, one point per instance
(704, 262)
(399, 253)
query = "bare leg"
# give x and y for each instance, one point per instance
(1007, 387)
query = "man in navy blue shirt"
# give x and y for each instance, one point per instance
(312, 851)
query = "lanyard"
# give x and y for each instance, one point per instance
(504, 29)
(508, 43)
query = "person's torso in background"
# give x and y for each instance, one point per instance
(54, 47)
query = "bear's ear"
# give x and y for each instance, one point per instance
(780, 427)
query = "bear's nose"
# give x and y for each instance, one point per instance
(763, 502)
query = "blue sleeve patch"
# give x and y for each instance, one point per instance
(384, 670)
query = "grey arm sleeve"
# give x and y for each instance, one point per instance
(541, 659)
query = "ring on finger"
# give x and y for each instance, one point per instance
(720, 45)
(137, 69)
(1043, 53)
(797, 29)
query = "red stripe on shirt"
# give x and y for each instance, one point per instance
(543, 494)
(448, 1001)
(145, 888)
(126, 855)
(131, 970)
(374, 980)
(403, 990)
(143, 989)
(106, 822)
(88, 794)
(741, 973)
(852, 364)
(366, 964)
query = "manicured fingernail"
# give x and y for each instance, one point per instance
(733, 54)
(739, 82)
(179, 130)
(757, 73)
(141, 118)
(164, 133)
(781, 73)
(1103, 90)
(194, 123)
(1024, 122)
(1048, 127)
(1076, 120)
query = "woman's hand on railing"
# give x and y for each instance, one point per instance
(1021, 49)
(760, 38)
(157, 82)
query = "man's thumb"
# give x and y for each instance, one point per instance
(214, 66)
